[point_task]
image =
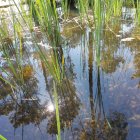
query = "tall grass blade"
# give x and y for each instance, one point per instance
(57, 112)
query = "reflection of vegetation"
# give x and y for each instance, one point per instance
(135, 49)
(27, 72)
(134, 46)
(5, 89)
(119, 129)
(110, 63)
(99, 126)
(137, 65)
(19, 73)
(73, 32)
(109, 34)
(6, 107)
(69, 68)
(68, 102)
(68, 107)
(22, 105)
(110, 60)
(27, 112)
(119, 126)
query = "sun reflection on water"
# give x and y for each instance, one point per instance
(50, 107)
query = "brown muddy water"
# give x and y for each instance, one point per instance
(92, 98)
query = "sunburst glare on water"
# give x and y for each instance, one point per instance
(50, 107)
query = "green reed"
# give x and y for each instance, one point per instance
(138, 11)
(117, 7)
(12, 48)
(98, 27)
(2, 137)
(57, 112)
(44, 13)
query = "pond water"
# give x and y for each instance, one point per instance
(111, 91)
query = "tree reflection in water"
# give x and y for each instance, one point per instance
(69, 103)
(99, 126)
(25, 108)
(69, 106)
(135, 50)
(23, 105)
(110, 59)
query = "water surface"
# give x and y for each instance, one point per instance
(90, 92)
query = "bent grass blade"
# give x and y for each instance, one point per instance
(2, 137)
